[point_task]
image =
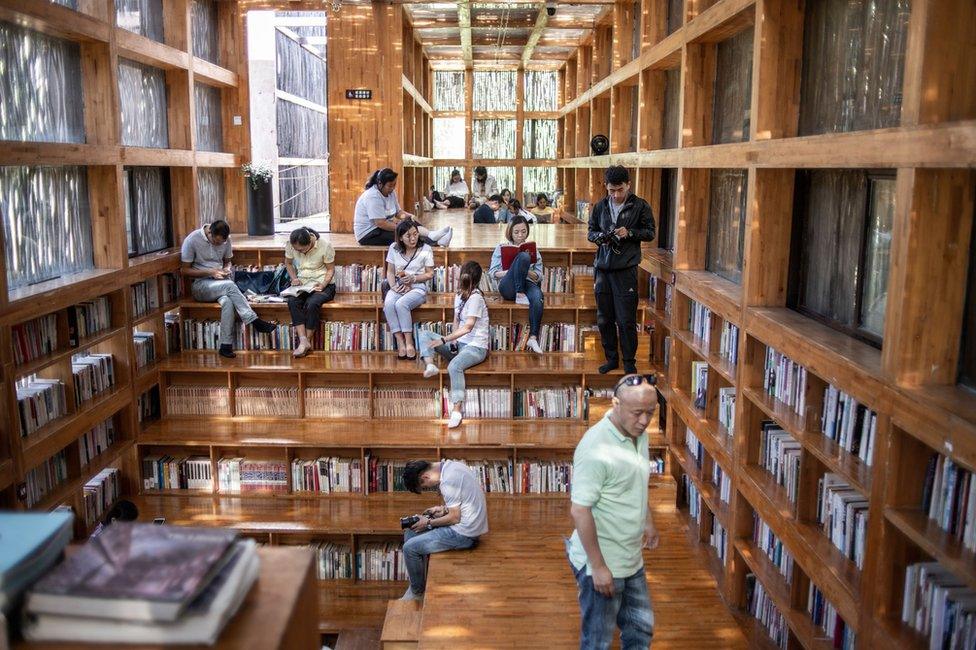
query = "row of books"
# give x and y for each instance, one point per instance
(728, 343)
(779, 454)
(35, 338)
(771, 545)
(197, 400)
(949, 499)
(695, 446)
(165, 472)
(171, 324)
(481, 402)
(41, 480)
(407, 402)
(357, 277)
(148, 405)
(658, 464)
(762, 608)
(700, 322)
(92, 374)
(39, 401)
(548, 403)
(267, 401)
(719, 539)
(96, 440)
(692, 497)
(339, 402)
(381, 561)
(843, 514)
(582, 270)
(726, 408)
(99, 493)
(699, 383)
(723, 481)
(88, 318)
(825, 616)
(334, 561)
(939, 606)
(242, 475)
(172, 287)
(666, 352)
(848, 423)
(145, 347)
(205, 335)
(144, 297)
(785, 380)
(327, 475)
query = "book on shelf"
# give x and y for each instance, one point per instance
(699, 383)
(668, 298)
(824, 615)
(165, 472)
(666, 360)
(144, 297)
(657, 464)
(244, 475)
(355, 278)
(694, 446)
(267, 401)
(481, 402)
(728, 346)
(39, 401)
(762, 608)
(949, 499)
(35, 338)
(384, 474)
(722, 480)
(99, 493)
(719, 539)
(172, 287)
(92, 374)
(582, 270)
(779, 454)
(148, 405)
(337, 402)
(548, 403)
(145, 346)
(88, 318)
(700, 322)
(848, 423)
(494, 475)
(842, 513)
(33, 542)
(652, 290)
(766, 541)
(334, 561)
(381, 561)
(582, 210)
(407, 402)
(44, 478)
(939, 606)
(197, 400)
(327, 475)
(726, 408)
(541, 477)
(691, 496)
(785, 380)
(96, 440)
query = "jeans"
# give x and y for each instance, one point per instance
(306, 308)
(616, 311)
(629, 608)
(397, 308)
(517, 280)
(380, 237)
(466, 357)
(417, 546)
(231, 301)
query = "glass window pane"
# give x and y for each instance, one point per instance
(449, 90)
(877, 255)
(733, 89)
(449, 138)
(442, 177)
(46, 223)
(493, 139)
(726, 223)
(142, 101)
(504, 175)
(300, 72)
(210, 195)
(536, 180)
(143, 17)
(672, 108)
(147, 209)
(303, 192)
(40, 87)
(667, 213)
(302, 132)
(541, 90)
(208, 114)
(494, 90)
(675, 15)
(204, 26)
(539, 139)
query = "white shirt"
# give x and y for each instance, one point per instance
(423, 259)
(485, 190)
(479, 336)
(372, 206)
(460, 488)
(459, 189)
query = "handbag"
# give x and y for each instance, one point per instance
(263, 282)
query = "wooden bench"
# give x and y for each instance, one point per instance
(401, 627)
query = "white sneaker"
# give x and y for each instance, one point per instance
(455, 420)
(533, 345)
(430, 371)
(409, 595)
(302, 349)
(521, 299)
(445, 241)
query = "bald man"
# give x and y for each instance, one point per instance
(611, 468)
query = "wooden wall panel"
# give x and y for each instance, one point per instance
(776, 62)
(769, 215)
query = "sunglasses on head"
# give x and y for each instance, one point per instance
(634, 380)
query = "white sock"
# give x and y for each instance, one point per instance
(430, 371)
(437, 234)
(533, 345)
(455, 420)
(445, 241)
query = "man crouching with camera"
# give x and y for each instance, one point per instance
(456, 525)
(618, 224)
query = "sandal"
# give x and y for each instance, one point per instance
(401, 357)
(411, 357)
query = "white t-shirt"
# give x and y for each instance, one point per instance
(459, 189)
(460, 487)
(415, 266)
(480, 335)
(373, 206)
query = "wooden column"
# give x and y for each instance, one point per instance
(769, 223)
(519, 133)
(777, 56)
(691, 229)
(698, 80)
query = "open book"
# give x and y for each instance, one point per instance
(294, 292)
(509, 252)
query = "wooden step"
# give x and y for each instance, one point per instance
(363, 638)
(401, 627)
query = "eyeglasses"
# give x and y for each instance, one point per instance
(634, 380)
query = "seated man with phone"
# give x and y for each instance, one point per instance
(517, 266)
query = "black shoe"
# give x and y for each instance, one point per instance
(630, 368)
(227, 351)
(608, 366)
(263, 326)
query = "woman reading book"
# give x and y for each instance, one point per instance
(409, 265)
(517, 265)
(468, 343)
(310, 262)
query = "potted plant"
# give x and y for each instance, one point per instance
(260, 198)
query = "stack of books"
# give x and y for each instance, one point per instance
(39, 401)
(88, 318)
(31, 544)
(140, 583)
(145, 345)
(34, 338)
(93, 374)
(42, 480)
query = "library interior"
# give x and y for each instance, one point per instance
(521, 324)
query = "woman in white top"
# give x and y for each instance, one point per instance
(409, 265)
(468, 343)
(455, 194)
(378, 213)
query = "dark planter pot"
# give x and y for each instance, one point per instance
(260, 209)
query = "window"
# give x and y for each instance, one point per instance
(967, 358)
(853, 65)
(304, 192)
(449, 138)
(672, 108)
(726, 223)
(541, 90)
(675, 18)
(210, 195)
(493, 139)
(302, 132)
(46, 223)
(733, 89)
(449, 90)
(539, 139)
(494, 90)
(504, 175)
(209, 123)
(537, 180)
(142, 100)
(40, 87)
(147, 211)
(204, 30)
(841, 243)
(299, 71)
(143, 17)
(667, 211)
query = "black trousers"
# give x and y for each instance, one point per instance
(455, 202)
(380, 237)
(616, 312)
(306, 308)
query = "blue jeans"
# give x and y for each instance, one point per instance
(629, 608)
(517, 280)
(466, 357)
(417, 546)
(231, 301)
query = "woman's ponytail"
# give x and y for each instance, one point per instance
(469, 279)
(381, 177)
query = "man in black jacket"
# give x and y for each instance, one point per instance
(618, 224)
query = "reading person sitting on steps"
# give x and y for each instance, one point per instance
(378, 213)
(206, 256)
(485, 213)
(456, 525)
(409, 265)
(613, 523)
(519, 280)
(468, 343)
(310, 261)
(455, 193)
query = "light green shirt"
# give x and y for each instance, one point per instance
(610, 475)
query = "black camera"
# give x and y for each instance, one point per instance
(608, 238)
(407, 522)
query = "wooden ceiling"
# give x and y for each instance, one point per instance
(456, 35)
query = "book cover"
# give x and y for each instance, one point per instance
(509, 252)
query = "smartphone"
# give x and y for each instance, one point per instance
(159, 521)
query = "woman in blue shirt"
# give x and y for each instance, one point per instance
(522, 279)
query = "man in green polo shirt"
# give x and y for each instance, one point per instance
(610, 473)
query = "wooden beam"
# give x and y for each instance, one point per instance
(464, 23)
(55, 20)
(409, 160)
(416, 94)
(213, 74)
(144, 50)
(542, 19)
